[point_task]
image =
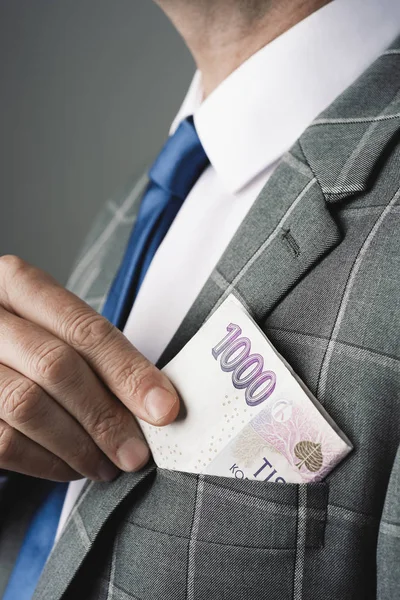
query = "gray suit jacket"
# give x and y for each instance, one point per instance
(317, 264)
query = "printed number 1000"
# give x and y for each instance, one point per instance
(247, 369)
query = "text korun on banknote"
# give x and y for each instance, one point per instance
(246, 413)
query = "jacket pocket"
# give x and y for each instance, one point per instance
(261, 514)
(208, 537)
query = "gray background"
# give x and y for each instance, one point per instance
(88, 89)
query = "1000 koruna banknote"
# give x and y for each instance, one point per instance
(245, 413)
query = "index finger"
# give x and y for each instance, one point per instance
(34, 295)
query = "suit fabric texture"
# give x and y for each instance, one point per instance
(316, 262)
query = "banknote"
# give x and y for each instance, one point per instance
(245, 413)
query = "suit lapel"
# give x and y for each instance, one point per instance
(92, 510)
(291, 225)
(288, 230)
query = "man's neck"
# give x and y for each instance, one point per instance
(222, 35)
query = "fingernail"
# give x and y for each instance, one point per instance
(133, 455)
(159, 403)
(107, 471)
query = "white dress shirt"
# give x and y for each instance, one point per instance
(245, 126)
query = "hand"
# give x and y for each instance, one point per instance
(71, 384)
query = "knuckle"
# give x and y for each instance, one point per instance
(10, 267)
(12, 263)
(107, 425)
(20, 401)
(86, 329)
(6, 443)
(54, 363)
(134, 375)
(82, 456)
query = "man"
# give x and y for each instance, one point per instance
(284, 189)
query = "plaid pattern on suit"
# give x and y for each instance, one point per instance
(317, 263)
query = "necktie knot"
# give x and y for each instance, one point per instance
(180, 162)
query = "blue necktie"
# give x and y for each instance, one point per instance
(176, 170)
(174, 173)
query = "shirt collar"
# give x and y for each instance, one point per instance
(257, 113)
